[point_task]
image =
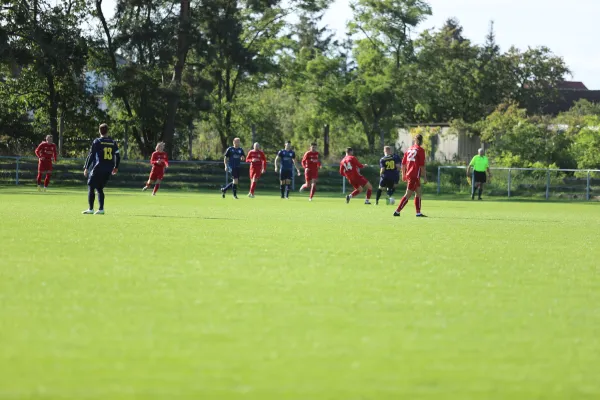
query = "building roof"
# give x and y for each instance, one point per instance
(567, 98)
(571, 85)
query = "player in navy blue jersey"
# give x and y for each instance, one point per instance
(102, 162)
(390, 165)
(288, 163)
(234, 155)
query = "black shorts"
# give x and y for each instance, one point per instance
(285, 174)
(388, 181)
(480, 177)
(98, 179)
(235, 172)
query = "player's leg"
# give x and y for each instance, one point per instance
(382, 184)
(313, 188)
(149, 183)
(41, 172)
(369, 189)
(156, 187)
(287, 188)
(91, 197)
(235, 186)
(418, 196)
(281, 185)
(410, 189)
(47, 179)
(357, 190)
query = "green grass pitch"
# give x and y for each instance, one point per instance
(189, 296)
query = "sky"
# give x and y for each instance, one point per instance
(569, 28)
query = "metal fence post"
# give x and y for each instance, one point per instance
(509, 181)
(17, 173)
(439, 178)
(547, 184)
(343, 185)
(587, 189)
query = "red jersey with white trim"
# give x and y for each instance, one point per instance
(311, 161)
(350, 167)
(159, 160)
(257, 159)
(414, 159)
(46, 151)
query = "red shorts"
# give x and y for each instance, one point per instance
(44, 165)
(156, 174)
(413, 184)
(358, 181)
(310, 174)
(255, 173)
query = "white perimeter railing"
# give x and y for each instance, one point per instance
(545, 173)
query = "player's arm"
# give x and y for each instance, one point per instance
(342, 169)
(295, 166)
(225, 157)
(117, 156)
(381, 167)
(55, 153)
(277, 162)
(423, 174)
(403, 170)
(166, 160)
(153, 158)
(38, 150)
(88, 160)
(304, 161)
(264, 162)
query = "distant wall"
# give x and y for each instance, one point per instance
(448, 146)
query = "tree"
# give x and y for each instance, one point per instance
(43, 43)
(535, 74)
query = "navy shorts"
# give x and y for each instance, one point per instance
(98, 179)
(388, 181)
(234, 172)
(285, 175)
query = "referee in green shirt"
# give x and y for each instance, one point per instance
(480, 165)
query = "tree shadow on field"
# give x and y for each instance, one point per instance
(182, 217)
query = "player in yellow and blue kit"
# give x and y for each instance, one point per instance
(389, 166)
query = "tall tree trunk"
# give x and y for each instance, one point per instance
(175, 95)
(61, 133)
(53, 104)
(143, 145)
(326, 140)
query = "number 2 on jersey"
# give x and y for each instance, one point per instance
(412, 155)
(390, 164)
(108, 153)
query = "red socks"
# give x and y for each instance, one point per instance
(156, 187)
(369, 192)
(252, 187)
(39, 178)
(402, 204)
(418, 205)
(47, 180)
(313, 188)
(354, 193)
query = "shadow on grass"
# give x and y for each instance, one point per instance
(496, 219)
(182, 217)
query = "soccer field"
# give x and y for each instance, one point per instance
(189, 296)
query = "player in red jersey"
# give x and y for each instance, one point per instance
(46, 153)
(258, 165)
(311, 165)
(413, 171)
(159, 161)
(349, 167)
